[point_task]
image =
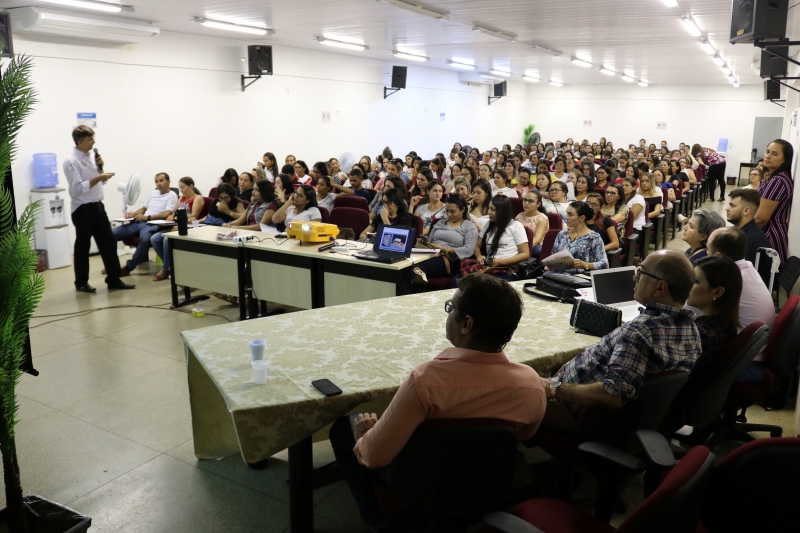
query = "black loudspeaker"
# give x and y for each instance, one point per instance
(772, 90)
(6, 44)
(259, 60)
(500, 89)
(399, 77)
(774, 66)
(758, 19)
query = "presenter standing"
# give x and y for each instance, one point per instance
(85, 183)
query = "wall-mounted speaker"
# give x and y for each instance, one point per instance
(399, 77)
(772, 90)
(774, 66)
(6, 44)
(758, 19)
(500, 89)
(259, 60)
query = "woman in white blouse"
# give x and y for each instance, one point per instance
(557, 203)
(434, 208)
(302, 205)
(503, 242)
(636, 204)
(325, 192)
(502, 185)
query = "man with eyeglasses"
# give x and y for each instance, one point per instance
(662, 338)
(473, 379)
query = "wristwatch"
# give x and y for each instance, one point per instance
(148, 218)
(554, 385)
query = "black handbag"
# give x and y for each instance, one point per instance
(595, 319)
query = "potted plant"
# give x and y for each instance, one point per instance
(21, 288)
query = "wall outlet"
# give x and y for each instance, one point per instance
(587, 123)
(326, 116)
(661, 125)
(288, 90)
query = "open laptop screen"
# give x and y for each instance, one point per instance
(614, 286)
(396, 239)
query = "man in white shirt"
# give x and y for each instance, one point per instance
(85, 184)
(159, 205)
(755, 303)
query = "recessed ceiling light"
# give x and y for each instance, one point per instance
(706, 46)
(341, 44)
(555, 83)
(628, 78)
(607, 71)
(580, 62)
(90, 4)
(495, 33)
(643, 84)
(410, 6)
(219, 25)
(670, 3)
(498, 72)
(410, 57)
(457, 64)
(736, 84)
(533, 79)
(690, 26)
(717, 60)
(554, 53)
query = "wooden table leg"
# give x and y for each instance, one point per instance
(301, 494)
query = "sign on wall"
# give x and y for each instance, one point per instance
(87, 119)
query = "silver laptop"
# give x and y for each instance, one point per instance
(614, 287)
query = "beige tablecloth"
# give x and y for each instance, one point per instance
(367, 349)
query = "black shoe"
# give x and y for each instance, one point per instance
(120, 286)
(86, 288)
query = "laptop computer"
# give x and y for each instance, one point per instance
(392, 244)
(614, 287)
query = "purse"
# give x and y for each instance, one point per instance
(593, 318)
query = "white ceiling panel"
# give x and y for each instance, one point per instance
(643, 38)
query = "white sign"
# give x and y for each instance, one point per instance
(441, 117)
(87, 119)
(587, 123)
(326, 116)
(661, 125)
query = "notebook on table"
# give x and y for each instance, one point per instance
(392, 244)
(614, 287)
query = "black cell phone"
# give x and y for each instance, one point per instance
(326, 387)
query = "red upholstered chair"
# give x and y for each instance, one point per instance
(547, 243)
(207, 203)
(326, 216)
(245, 203)
(350, 217)
(516, 205)
(529, 233)
(601, 191)
(213, 192)
(350, 201)
(418, 226)
(667, 215)
(556, 222)
(372, 192)
(677, 208)
(628, 255)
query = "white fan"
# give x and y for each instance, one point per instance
(130, 191)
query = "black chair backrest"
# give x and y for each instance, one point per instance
(455, 468)
(700, 402)
(787, 352)
(789, 274)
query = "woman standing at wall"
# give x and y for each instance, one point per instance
(777, 191)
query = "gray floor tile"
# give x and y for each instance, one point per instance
(152, 410)
(168, 495)
(30, 409)
(107, 321)
(341, 507)
(51, 337)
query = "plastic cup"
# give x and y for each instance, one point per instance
(195, 223)
(257, 349)
(260, 371)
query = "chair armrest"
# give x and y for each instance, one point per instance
(509, 523)
(656, 449)
(612, 455)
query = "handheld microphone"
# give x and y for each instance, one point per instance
(96, 155)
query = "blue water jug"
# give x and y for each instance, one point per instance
(45, 170)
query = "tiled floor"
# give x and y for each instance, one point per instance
(105, 428)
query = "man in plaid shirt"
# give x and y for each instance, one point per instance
(663, 337)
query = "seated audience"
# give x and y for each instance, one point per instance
(756, 177)
(585, 246)
(583, 186)
(325, 195)
(301, 173)
(161, 204)
(652, 195)
(190, 201)
(697, 229)
(246, 181)
(226, 207)
(533, 216)
(557, 203)
(376, 206)
(741, 212)
(463, 187)
(261, 209)
(523, 181)
(355, 183)
(663, 337)
(502, 243)
(270, 165)
(394, 213)
(716, 291)
(473, 379)
(637, 207)
(601, 223)
(502, 184)
(481, 200)
(433, 209)
(602, 177)
(543, 182)
(424, 177)
(231, 177)
(755, 303)
(302, 205)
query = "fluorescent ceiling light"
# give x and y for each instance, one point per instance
(410, 6)
(495, 33)
(690, 26)
(580, 62)
(670, 3)
(90, 4)
(555, 83)
(533, 79)
(643, 84)
(341, 44)
(706, 46)
(607, 71)
(253, 30)
(493, 78)
(410, 57)
(554, 53)
(456, 64)
(498, 72)
(736, 84)
(627, 78)
(727, 70)
(717, 60)
(731, 78)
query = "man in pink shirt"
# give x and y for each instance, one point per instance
(474, 379)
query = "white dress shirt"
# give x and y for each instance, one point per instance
(80, 169)
(755, 304)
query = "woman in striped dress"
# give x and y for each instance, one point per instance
(716, 169)
(776, 192)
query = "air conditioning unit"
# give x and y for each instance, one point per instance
(478, 77)
(45, 21)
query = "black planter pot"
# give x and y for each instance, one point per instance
(49, 517)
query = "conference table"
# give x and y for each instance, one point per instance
(283, 271)
(366, 348)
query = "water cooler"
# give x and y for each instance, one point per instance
(51, 229)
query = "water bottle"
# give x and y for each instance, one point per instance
(183, 221)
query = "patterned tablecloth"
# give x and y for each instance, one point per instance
(367, 349)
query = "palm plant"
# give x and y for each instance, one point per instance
(21, 287)
(527, 133)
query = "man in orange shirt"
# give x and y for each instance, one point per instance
(474, 379)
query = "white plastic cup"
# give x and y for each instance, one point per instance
(195, 223)
(260, 371)
(257, 347)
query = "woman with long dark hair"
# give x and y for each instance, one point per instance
(260, 210)
(394, 212)
(226, 207)
(231, 177)
(302, 205)
(481, 200)
(190, 201)
(601, 223)
(301, 172)
(585, 246)
(270, 166)
(615, 207)
(777, 191)
(534, 217)
(716, 169)
(503, 242)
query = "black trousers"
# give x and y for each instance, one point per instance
(90, 220)
(716, 174)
